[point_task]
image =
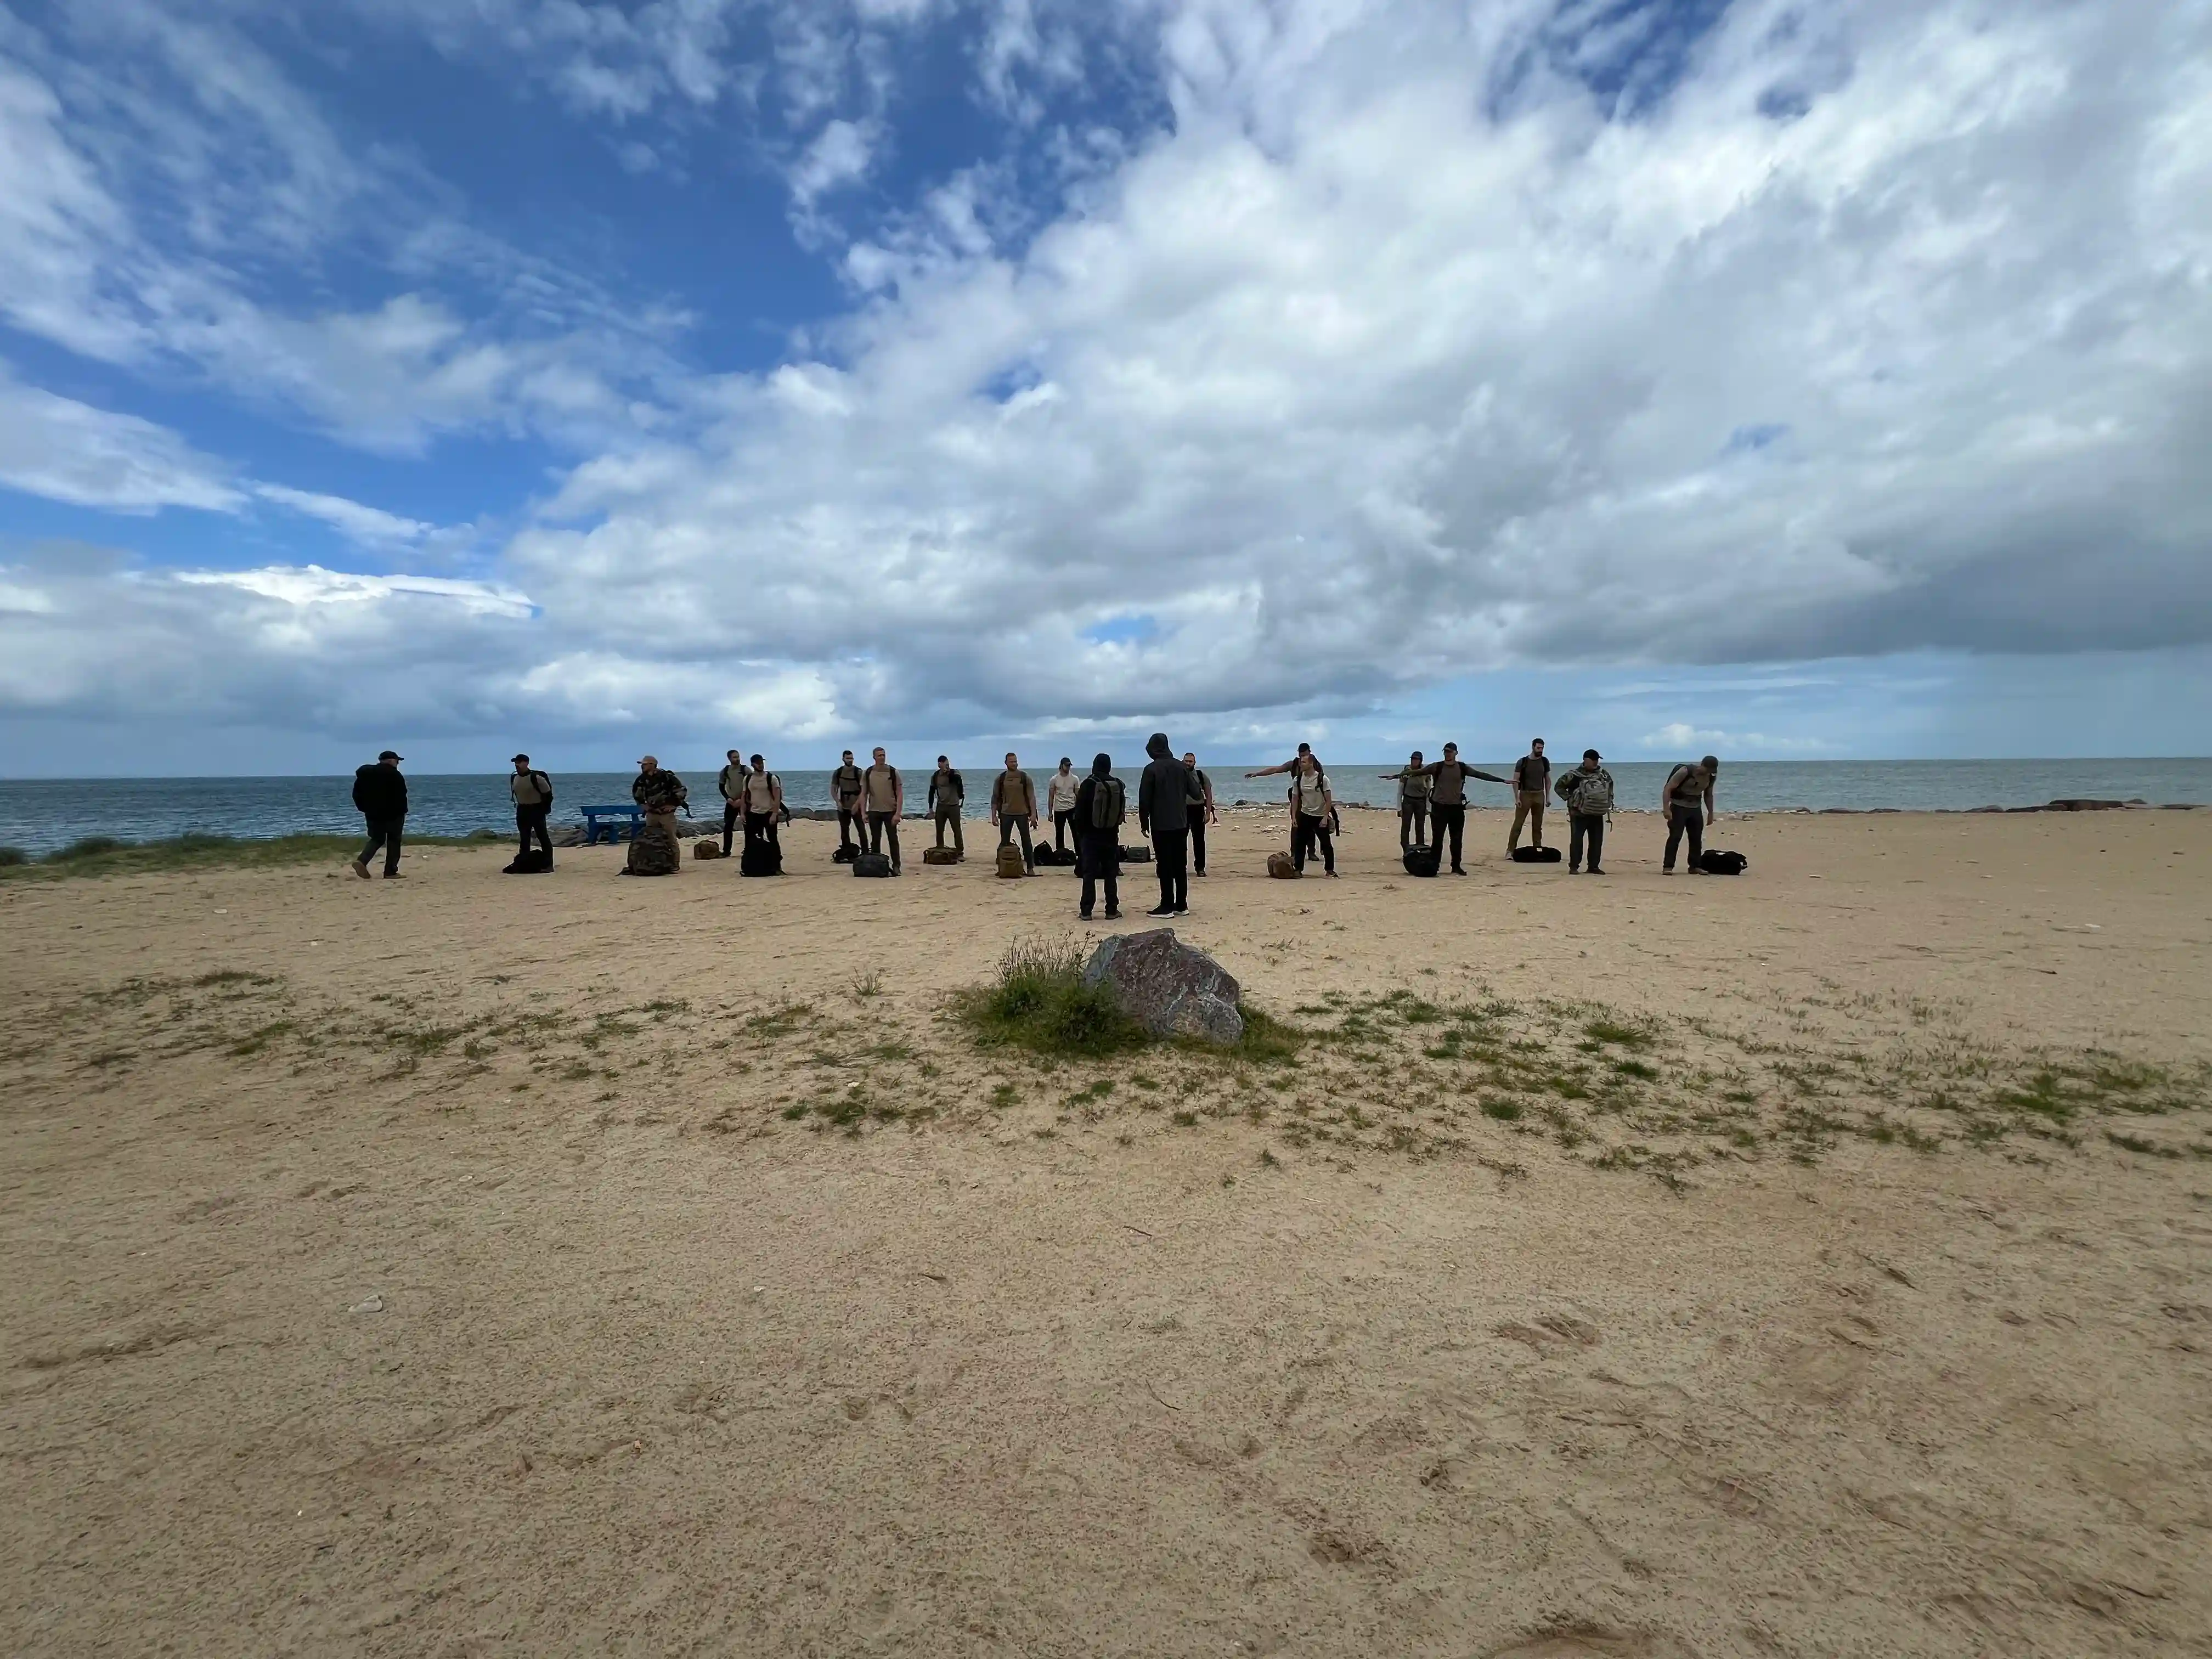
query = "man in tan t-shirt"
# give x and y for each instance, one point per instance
(1014, 806)
(1532, 784)
(885, 799)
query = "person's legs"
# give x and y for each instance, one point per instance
(1684, 821)
(730, 813)
(1089, 895)
(1596, 843)
(1406, 822)
(1062, 822)
(1301, 840)
(940, 815)
(1536, 822)
(1577, 826)
(392, 830)
(1520, 818)
(850, 830)
(1327, 847)
(1451, 821)
(373, 828)
(891, 830)
(1694, 824)
(1111, 864)
(1029, 853)
(522, 831)
(1168, 853)
(1198, 841)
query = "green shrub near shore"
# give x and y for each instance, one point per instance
(105, 855)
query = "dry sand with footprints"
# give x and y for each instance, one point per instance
(1813, 1263)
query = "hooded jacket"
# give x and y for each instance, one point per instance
(1167, 792)
(379, 792)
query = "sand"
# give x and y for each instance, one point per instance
(445, 1273)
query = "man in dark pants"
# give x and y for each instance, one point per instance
(731, 781)
(886, 798)
(1448, 800)
(948, 793)
(761, 797)
(1163, 803)
(1588, 792)
(380, 795)
(1099, 845)
(846, 789)
(1201, 812)
(533, 799)
(1014, 806)
(1687, 800)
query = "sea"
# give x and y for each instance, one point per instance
(39, 815)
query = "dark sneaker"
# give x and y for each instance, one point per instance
(360, 869)
(1113, 915)
(1182, 910)
(1575, 870)
(395, 875)
(1083, 915)
(1596, 870)
(1161, 910)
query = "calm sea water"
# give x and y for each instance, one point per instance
(37, 814)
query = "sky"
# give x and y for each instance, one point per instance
(1789, 379)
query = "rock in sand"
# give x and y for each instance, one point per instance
(1170, 988)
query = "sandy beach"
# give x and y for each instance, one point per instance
(1816, 1262)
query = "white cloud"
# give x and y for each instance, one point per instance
(370, 526)
(70, 452)
(1680, 734)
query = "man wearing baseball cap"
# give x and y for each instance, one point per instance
(662, 794)
(533, 799)
(380, 795)
(1588, 792)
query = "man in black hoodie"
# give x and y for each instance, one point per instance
(1098, 836)
(380, 795)
(1164, 798)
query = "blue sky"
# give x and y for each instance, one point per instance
(1792, 380)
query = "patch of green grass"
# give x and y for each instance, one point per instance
(1005, 1096)
(795, 1111)
(1636, 1068)
(1503, 1110)
(2138, 1143)
(1620, 1036)
(104, 855)
(1039, 1002)
(1184, 1120)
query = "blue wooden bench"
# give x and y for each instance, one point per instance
(606, 822)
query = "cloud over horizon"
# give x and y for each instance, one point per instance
(1351, 350)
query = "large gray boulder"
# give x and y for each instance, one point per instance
(1170, 988)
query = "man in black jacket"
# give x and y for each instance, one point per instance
(380, 795)
(1164, 798)
(1098, 844)
(533, 801)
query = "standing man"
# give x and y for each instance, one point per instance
(1413, 786)
(1201, 813)
(1060, 792)
(1312, 804)
(380, 795)
(1448, 800)
(845, 789)
(1101, 804)
(1014, 806)
(1687, 800)
(1588, 792)
(948, 793)
(533, 799)
(885, 797)
(662, 794)
(731, 781)
(762, 797)
(1164, 795)
(1532, 785)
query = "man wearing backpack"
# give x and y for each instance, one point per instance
(1588, 792)
(1201, 813)
(1101, 804)
(1413, 786)
(731, 781)
(1448, 800)
(380, 795)
(761, 797)
(1687, 800)
(1532, 783)
(847, 789)
(885, 797)
(1312, 802)
(948, 793)
(533, 799)
(1014, 806)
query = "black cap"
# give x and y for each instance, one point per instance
(1592, 754)
(391, 754)
(522, 760)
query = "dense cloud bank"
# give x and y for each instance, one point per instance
(1386, 343)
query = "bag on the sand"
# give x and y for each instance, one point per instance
(940, 855)
(845, 854)
(1715, 862)
(760, 858)
(707, 849)
(1535, 855)
(1054, 856)
(653, 854)
(535, 862)
(1422, 860)
(1136, 854)
(872, 864)
(1012, 865)
(1280, 865)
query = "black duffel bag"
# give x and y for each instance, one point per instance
(1535, 855)
(1422, 860)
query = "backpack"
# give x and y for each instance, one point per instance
(1591, 795)
(760, 858)
(653, 854)
(1535, 855)
(1280, 868)
(1422, 860)
(1138, 854)
(845, 854)
(1012, 867)
(1109, 803)
(706, 849)
(872, 864)
(535, 862)
(1714, 862)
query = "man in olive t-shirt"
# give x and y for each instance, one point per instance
(886, 798)
(845, 790)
